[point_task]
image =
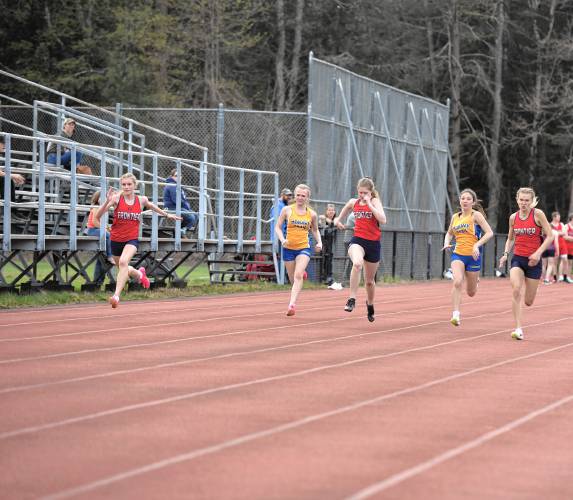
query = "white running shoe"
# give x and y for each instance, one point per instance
(517, 335)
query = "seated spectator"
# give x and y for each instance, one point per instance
(15, 179)
(93, 230)
(68, 131)
(190, 218)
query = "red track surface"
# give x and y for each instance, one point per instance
(226, 397)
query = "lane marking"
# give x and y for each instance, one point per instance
(454, 452)
(285, 376)
(235, 354)
(247, 438)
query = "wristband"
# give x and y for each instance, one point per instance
(506, 254)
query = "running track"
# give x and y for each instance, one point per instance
(226, 397)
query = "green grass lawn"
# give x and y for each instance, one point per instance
(198, 285)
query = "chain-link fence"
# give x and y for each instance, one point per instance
(405, 255)
(359, 127)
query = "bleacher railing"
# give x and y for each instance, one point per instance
(48, 184)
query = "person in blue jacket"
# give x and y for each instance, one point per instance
(190, 218)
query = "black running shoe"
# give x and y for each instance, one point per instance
(370, 312)
(350, 303)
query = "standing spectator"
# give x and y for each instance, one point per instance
(190, 218)
(15, 179)
(276, 209)
(68, 130)
(568, 237)
(560, 259)
(348, 234)
(328, 231)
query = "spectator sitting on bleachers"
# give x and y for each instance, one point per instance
(15, 179)
(92, 229)
(190, 218)
(68, 131)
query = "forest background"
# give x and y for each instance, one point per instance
(506, 66)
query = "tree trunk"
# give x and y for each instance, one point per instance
(280, 60)
(431, 52)
(493, 171)
(293, 77)
(455, 71)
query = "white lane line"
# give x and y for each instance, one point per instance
(188, 339)
(99, 317)
(203, 320)
(454, 452)
(294, 424)
(274, 378)
(181, 301)
(239, 353)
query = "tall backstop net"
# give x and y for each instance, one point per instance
(359, 127)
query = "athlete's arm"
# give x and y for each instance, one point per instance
(377, 210)
(111, 200)
(488, 233)
(542, 221)
(342, 215)
(144, 200)
(509, 242)
(315, 231)
(448, 237)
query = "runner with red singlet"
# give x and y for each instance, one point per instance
(526, 227)
(125, 231)
(364, 249)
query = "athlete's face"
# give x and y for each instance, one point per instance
(466, 201)
(127, 186)
(300, 196)
(524, 201)
(364, 193)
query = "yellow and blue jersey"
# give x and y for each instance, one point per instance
(466, 232)
(298, 227)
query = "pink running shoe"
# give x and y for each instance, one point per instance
(144, 280)
(114, 301)
(290, 311)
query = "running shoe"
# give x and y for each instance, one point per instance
(546, 282)
(517, 335)
(370, 308)
(144, 280)
(456, 321)
(114, 301)
(290, 310)
(350, 304)
(568, 280)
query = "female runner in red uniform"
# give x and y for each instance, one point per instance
(525, 228)
(364, 249)
(125, 231)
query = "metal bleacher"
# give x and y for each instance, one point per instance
(46, 220)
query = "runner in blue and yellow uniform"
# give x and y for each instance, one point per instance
(296, 245)
(471, 231)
